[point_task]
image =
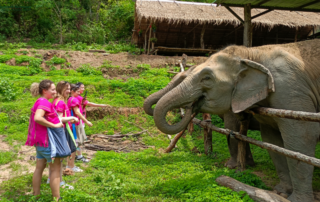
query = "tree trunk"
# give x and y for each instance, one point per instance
(60, 30)
(254, 193)
(97, 16)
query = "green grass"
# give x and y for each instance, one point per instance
(147, 175)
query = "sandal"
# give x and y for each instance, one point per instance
(83, 159)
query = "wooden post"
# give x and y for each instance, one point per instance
(149, 38)
(241, 159)
(247, 32)
(277, 31)
(202, 35)
(145, 41)
(235, 37)
(194, 39)
(152, 45)
(296, 35)
(207, 135)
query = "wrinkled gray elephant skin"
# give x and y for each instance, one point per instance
(239, 78)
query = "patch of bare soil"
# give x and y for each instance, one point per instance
(96, 113)
(123, 60)
(24, 164)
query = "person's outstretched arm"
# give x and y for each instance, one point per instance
(78, 113)
(91, 104)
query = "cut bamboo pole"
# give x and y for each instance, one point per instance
(283, 113)
(291, 154)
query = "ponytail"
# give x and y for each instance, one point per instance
(37, 88)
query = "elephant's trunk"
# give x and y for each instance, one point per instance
(155, 97)
(180, 96)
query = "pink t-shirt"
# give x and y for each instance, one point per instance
(37, 134)
(74, 102)
(83, 107)
(61, 107)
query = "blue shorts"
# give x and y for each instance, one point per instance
(44, 153)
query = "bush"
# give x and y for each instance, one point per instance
(7, 92)
(87, 69)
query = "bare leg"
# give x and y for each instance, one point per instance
(71, 160)
(55, 178)
(37, 175)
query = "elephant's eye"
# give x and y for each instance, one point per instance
(206, 78)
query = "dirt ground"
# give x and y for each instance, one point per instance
(123, 60)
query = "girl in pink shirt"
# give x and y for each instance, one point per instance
(59, 103)
(43, 116)
(83, 103)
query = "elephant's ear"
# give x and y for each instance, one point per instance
(253, 84)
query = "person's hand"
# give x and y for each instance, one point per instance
(58, 125)
(89, 124)
(75, 120)
(105, 105)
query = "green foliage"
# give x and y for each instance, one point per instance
(56, 60)
(87, 69)
(6, 157)
(7, 91)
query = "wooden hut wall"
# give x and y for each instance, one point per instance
(217, 36)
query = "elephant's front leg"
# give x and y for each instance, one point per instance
(231, 122)
(300, 136)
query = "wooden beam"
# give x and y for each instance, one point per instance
(271, 7)
(179, 36)
(262, 13)
(262, 2)
(149, 38)
(235, 15)
(247, 36)
(308, 4)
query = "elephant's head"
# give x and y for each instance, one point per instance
(225, 81)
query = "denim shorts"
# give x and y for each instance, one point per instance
(44, 153)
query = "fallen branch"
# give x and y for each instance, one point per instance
(174, 141)
(97, 51)
(254, 193)
(136, 125)
(96, 147)
(288, 153)
(119, 135)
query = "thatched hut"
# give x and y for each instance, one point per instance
(192, 27)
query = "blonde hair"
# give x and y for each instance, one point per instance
(37, 88)
(61, 88)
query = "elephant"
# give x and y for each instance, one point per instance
(230, 120)
(237, 79)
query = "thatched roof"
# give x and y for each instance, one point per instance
(177, 12)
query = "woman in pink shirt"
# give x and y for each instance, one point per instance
(75, 106)
(83, 103)
(59, 103)
(42, 116)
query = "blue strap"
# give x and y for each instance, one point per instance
(73, 127)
